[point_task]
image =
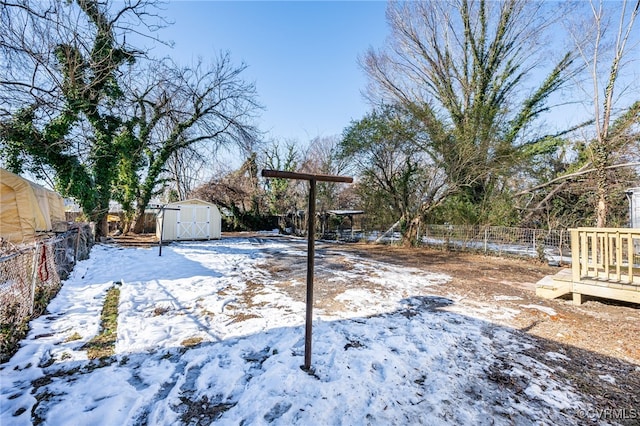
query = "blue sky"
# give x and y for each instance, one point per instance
(301, 55)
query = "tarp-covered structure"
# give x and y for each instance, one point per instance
(26, 208)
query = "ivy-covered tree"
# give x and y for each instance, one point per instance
(62, 92)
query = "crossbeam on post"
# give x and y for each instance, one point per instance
(311, 216)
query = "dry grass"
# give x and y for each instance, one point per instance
(241, 316)
(75, 336)
(191, 341)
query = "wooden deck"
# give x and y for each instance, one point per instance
(605, 262)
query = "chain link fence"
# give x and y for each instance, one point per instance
(547, 245)
(31, 276)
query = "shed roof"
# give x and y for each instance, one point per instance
(191, 201)
(345, 212)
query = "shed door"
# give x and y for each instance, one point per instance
(193, 222)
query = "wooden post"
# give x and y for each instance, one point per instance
(311, 227)
(630, 258)
(576, 269)
(163, 210)
(311, 251)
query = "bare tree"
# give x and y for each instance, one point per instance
(396, 177)
(322, 158)
(184, 169)
(238, 192)
(464, 69)
(605, 43)
(184, 108)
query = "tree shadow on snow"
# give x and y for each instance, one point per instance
(419, 364)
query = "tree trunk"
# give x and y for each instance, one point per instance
(410, 237)
(102, 227)
(137, 224)
(601, 208)
(600, 162)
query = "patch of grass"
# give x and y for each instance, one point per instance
(206, 312)
(73, 337)
(11, 332)
(14, 327)
(103, 345)
(241, 316)
(191, 341)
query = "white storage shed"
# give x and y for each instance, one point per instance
(189, 220)
(634, 207)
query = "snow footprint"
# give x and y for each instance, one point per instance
(378, 370)
(277, 411)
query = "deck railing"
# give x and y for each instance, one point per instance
(610, 254)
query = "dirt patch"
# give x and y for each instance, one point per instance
(596, 345)
(602, 326)
(506, 284)
(598, 342)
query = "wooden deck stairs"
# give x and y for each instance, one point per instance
(605, 262)
(554, 286)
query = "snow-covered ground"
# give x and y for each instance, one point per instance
(388, 352)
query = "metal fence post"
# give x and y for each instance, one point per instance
(486, 238)
(34, 276)
(75, 254)
(534, 241)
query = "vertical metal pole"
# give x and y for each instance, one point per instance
(34, 274)
(162, 211)
(534, 241)
(311, 228)
(77, 248)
